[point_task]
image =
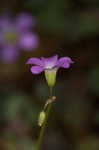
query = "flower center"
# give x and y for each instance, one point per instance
(10, 37)
(49, 65)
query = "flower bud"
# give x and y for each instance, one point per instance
(41, 118)
(51, 77)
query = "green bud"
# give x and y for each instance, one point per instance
(41, 118)
(51, 77)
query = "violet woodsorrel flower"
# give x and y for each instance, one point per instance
(49, 66)
(16, 34)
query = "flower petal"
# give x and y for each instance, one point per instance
(29, 41)
(35, 61)
(36, 69)
(9, 54)
(64, 62)
(50, 62)
(5, 22)
(25, 21)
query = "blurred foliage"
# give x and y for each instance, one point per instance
(63, 18)
(94, 80)
(13, 143)
(53, 12)
(91, 143)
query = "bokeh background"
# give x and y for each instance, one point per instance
(67, 28)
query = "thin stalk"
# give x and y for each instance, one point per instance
(45, 122)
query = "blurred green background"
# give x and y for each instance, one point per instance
(67, 28)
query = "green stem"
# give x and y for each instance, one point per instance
(44, 124)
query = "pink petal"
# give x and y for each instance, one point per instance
(29, 41)
(35, 61)
(9, 54)
(25, 21)
(50, 62)
(64, 62)
(36, 69)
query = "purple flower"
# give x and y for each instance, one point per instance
(16, 34)
(49, 64)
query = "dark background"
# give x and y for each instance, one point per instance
(67, 28)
